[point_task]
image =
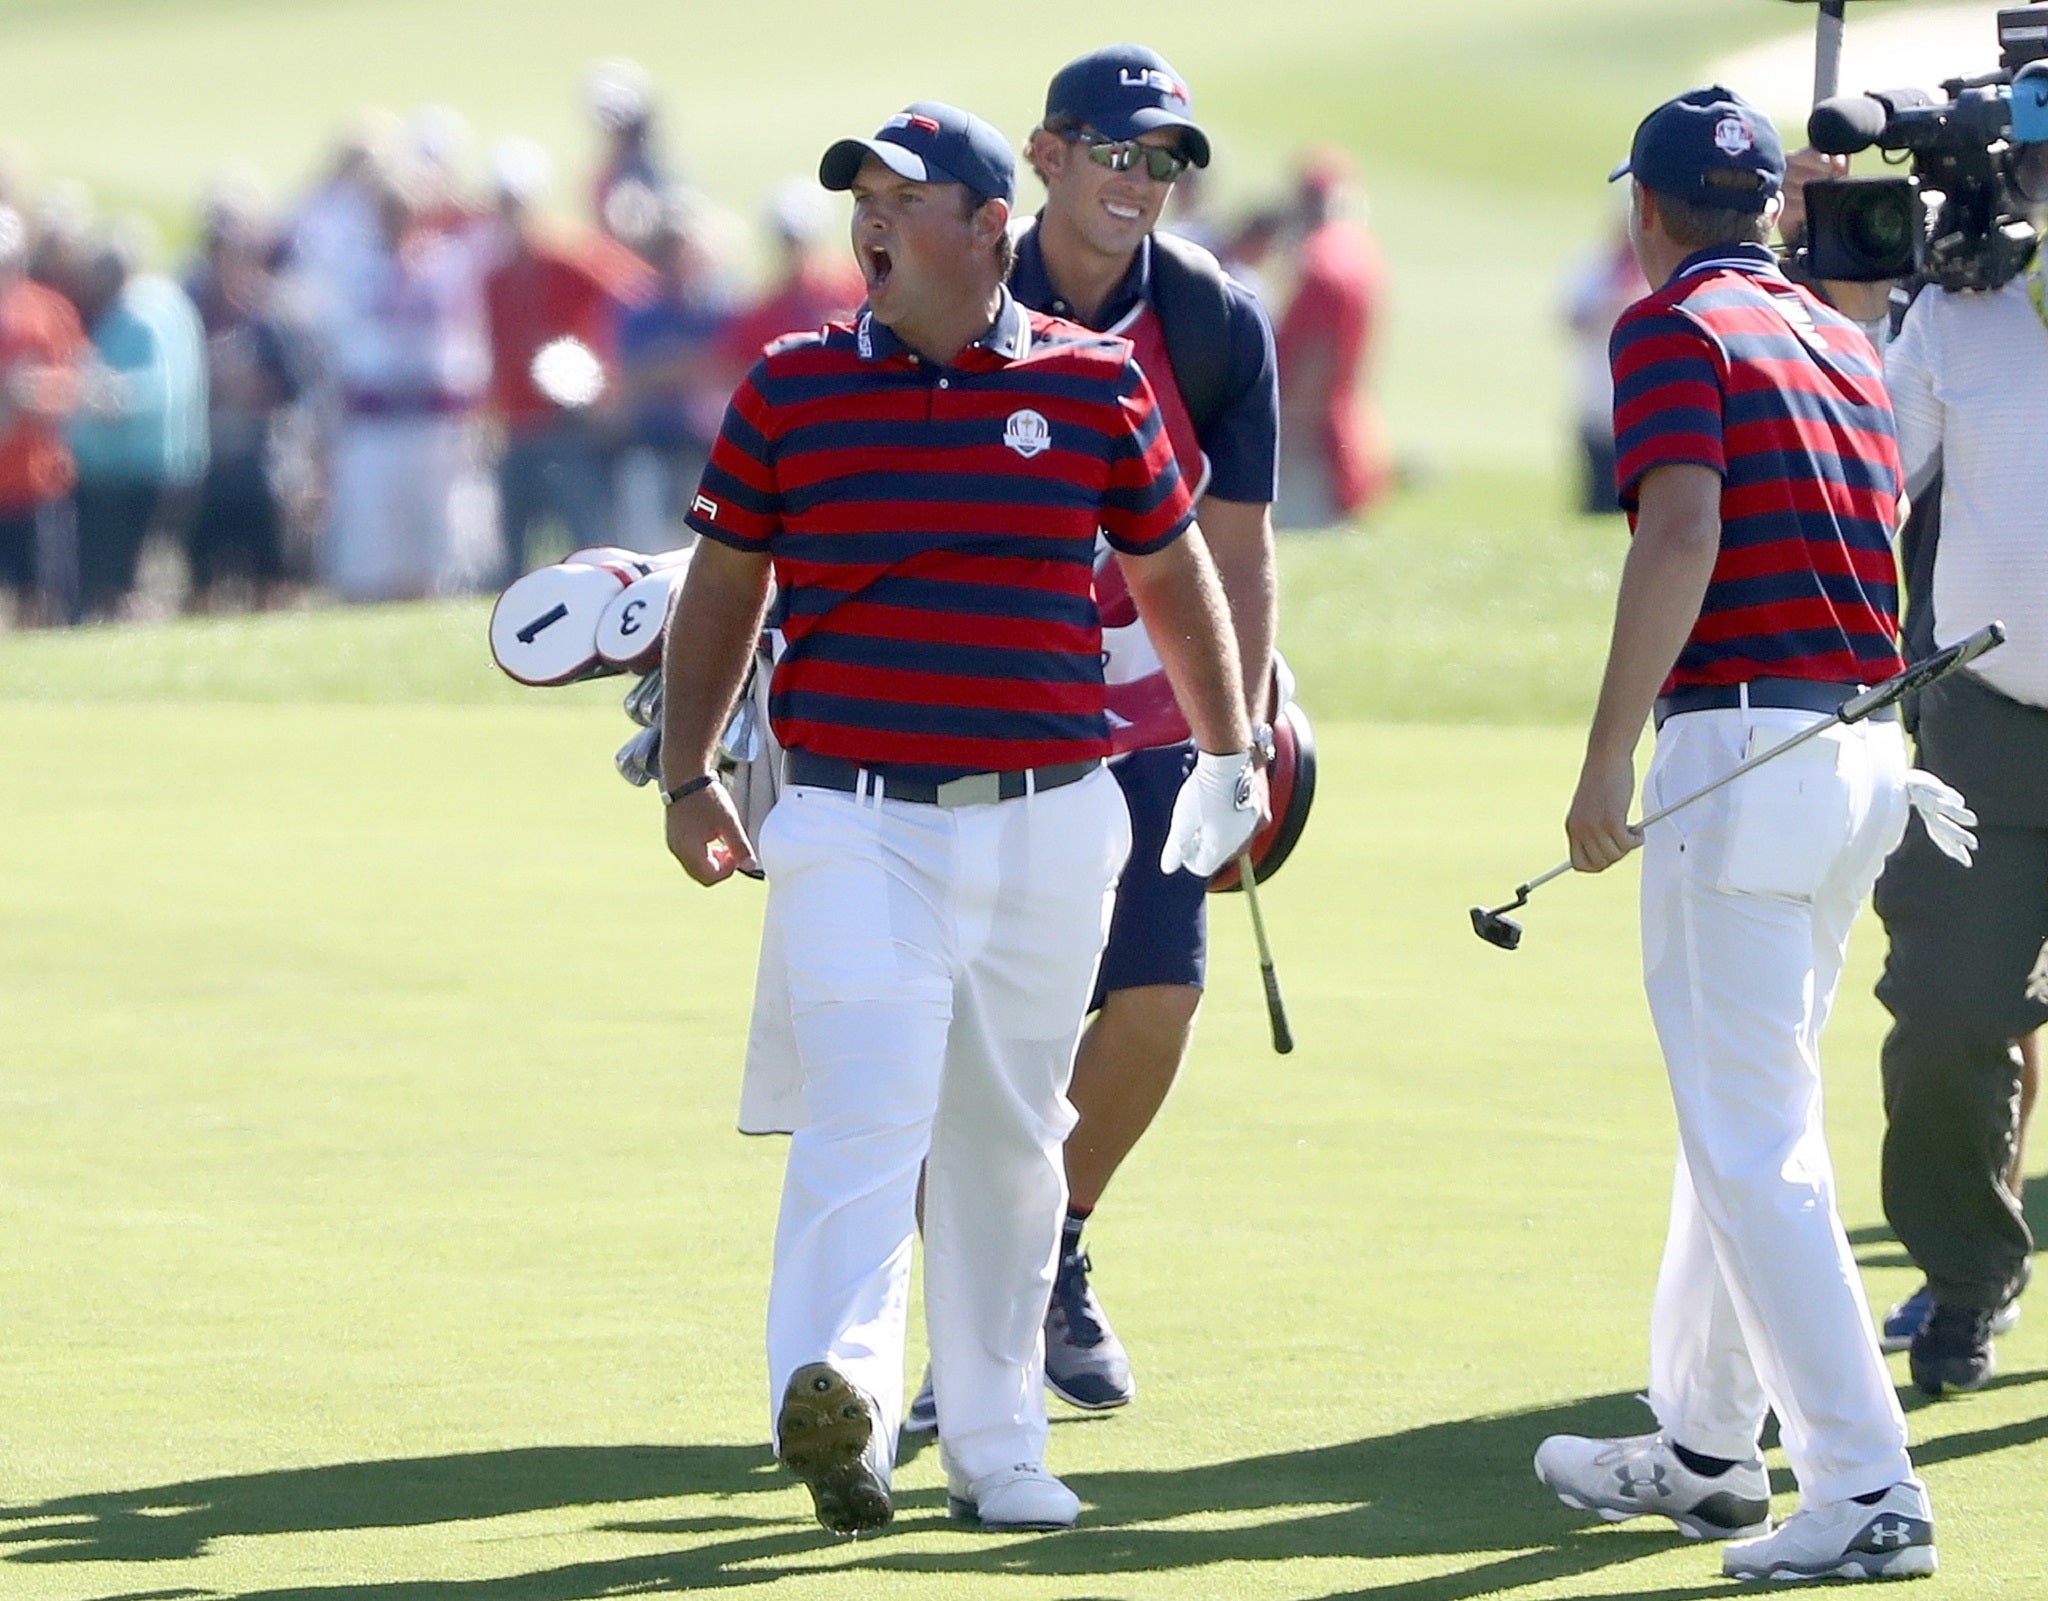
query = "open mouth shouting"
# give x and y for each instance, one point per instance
(876, 264)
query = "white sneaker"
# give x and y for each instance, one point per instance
(1022, 1497)
(1890, 1539)
(1640, 1474)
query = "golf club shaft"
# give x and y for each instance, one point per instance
(1276, 1010)
(1701, 793)
(1853, 710)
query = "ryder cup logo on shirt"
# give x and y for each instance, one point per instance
(1732, 136)
(1027, 433)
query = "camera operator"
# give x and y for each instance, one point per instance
(1867, 304)
(1966, 975)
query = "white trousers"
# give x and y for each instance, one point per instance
(1747, 900)
(939, 962)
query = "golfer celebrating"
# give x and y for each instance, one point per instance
(927, 483)
(1760, 471)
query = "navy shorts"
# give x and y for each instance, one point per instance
(1159, 933)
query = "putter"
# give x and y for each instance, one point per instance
(1497, 928)
(1276, 1011)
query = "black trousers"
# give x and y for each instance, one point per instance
(1965, 946)
(113, 519)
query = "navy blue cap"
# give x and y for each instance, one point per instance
(1123, 91)
(930, 143)
(1706, 131)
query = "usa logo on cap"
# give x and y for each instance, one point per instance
(1732, 136)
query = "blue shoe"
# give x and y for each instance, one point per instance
(1903, 1321)
(1906, 1319)
(1085, 1364)
(923, 1416)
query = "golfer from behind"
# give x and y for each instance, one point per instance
(926, 484)
(1761, 476)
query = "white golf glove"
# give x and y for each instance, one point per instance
(1215, 814)
(1944, 813)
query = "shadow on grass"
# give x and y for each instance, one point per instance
(171, 1522)
(1447, 1490)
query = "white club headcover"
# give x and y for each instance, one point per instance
(1214, 815)
(1944, 813)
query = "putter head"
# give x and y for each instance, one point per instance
(1496, 928)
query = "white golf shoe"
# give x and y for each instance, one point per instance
(826, 1435)
(1640, 1475)
(1022, 1497)
(1893, 1538)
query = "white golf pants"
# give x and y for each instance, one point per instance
(1747, 900)
(939, 962)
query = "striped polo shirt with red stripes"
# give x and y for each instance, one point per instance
(933, 534)
(1731, 366)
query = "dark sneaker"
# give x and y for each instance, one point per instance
(1952, 1350)
(1085, 1364)
(1892, 1539)
(1640, 1475)
(923, 1416)
(826, 1436)
(1903, 1321)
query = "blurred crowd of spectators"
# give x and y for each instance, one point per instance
(407, 384)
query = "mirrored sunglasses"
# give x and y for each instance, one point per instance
(1120, 155)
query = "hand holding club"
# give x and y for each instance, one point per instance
(1597, 824)
(1220, 806)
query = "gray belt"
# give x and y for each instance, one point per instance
(895, 783)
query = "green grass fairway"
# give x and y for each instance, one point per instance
(373, 1228)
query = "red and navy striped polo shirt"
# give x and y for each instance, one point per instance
(1730, 366)
(933, 533)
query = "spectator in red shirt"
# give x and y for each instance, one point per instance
(560, 296)
(41, 342)
(1335, 461)
(812, 288)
